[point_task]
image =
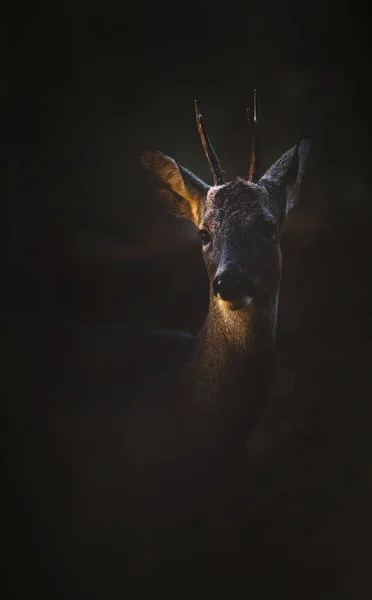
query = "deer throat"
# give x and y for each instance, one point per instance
(241, 334)
(234, 353)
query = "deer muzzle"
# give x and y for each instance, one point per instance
(237, 289)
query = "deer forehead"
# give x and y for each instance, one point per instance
(239, 202)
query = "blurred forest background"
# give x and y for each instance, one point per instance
(83, 86)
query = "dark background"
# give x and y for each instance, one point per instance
(85, 239)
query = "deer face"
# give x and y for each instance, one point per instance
(239, 222)
(239, 230)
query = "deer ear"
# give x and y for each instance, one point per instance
(178, 186)
(287, 173)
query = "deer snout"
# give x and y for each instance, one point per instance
(235, 287)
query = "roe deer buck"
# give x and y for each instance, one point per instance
(185, 435)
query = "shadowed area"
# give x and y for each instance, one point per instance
(93, 259)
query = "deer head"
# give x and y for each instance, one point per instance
(239, 221)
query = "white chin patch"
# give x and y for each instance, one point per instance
(242, 303)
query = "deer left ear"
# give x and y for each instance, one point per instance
(181, 189)
(287, 173)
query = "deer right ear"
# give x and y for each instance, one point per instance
(183, 191)
(287, 173)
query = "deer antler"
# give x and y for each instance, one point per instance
(208, 148)
(254, 125)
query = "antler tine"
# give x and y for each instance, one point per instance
(254, 125)
(208, 148)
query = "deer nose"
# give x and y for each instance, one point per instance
(227, 286)
(231, 287)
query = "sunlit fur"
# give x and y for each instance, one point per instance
(236, 305)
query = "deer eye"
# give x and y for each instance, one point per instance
(205, 236)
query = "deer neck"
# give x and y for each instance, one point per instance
(194, 433)
(234, 352)
(241, 334)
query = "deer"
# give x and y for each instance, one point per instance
(186, 434)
